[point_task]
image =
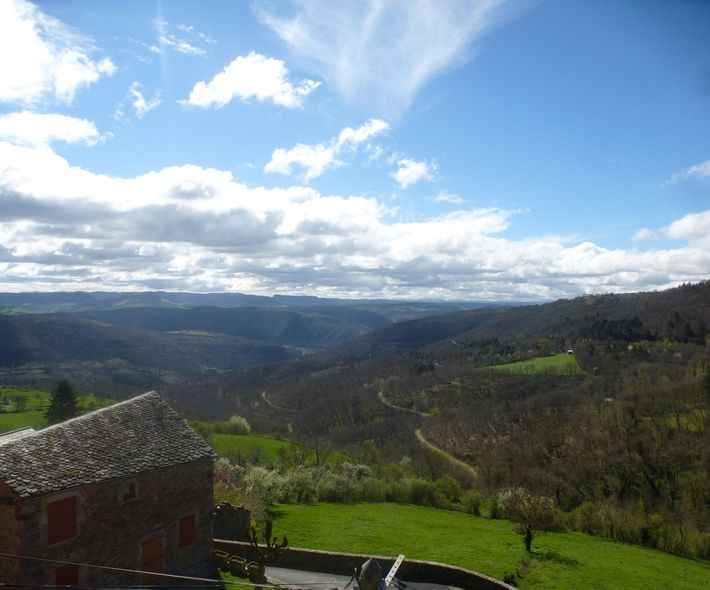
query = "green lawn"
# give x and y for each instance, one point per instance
(556, 364)
(559, 560)
(13, 421)
(36, 400)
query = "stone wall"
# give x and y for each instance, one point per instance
(332, 562)
(9, 533)
(111, 530)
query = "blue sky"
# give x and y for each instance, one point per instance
(493, 149)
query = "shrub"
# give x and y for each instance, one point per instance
(471, 502)
(422, 493)
(449, 488)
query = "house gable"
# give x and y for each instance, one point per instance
(139, 435)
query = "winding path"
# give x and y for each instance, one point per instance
(275, 406)
(389, 404)
(429, 445)
(450, 458)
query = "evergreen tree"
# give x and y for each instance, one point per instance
(62, 404)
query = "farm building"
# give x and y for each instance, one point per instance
(128, 486)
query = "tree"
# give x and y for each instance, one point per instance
(62, 403)
(20, 402)
(530, 512)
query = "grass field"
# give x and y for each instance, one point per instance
(559, 560)
(248, 446)
(259, 449)
(557, 364)
(36, 400)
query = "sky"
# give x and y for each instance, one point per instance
(507, 150)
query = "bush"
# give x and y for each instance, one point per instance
(399, 491)
(495, 511)
(449, 489)
(227, 472)
(471, 502)
(423, 493)
(298, 487)
(261, 490)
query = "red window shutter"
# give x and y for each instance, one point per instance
(130, 491)
(187, 532)
(61, 520)
(67, 575)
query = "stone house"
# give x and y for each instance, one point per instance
(126, 487)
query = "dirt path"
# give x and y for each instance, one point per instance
(389, 404)
(450, 458)
(420, 437)
(275, 406)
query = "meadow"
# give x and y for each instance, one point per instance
(255, 449)
(559, 560)
(22, 407)
(556, 364)
(260, 450)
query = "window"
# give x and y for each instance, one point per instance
(67, 575)
(129, 492)
(187, 532)
(61, 520)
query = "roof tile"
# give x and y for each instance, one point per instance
(140, 434)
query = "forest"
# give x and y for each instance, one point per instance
(621, 445)
(599, 404)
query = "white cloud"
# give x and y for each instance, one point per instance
(42, 129)
(43, 58)
(383, 51)
(180, 45)
(644, 234)
(179, 37)
(355, 137)
(194, 228)
(254, 76)
(446, 197)
(316, 159)
(140, 103)
(410, 172)
(698, 170)
(702, 169)
(694, 227)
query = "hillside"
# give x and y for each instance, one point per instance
(38, 346)
(272, 325)
(679, 314)
(79, 301)
(621, 435)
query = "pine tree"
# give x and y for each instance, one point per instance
(62, 404)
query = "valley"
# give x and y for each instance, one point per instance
(601, 404)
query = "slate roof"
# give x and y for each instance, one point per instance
(6, 437)
(138, 435)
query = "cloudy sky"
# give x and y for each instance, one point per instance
(483, 149)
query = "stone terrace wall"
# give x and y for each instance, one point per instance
(345, 563)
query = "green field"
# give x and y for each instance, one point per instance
(36, 400)
(559, 560)
(259, 449)
(556, 364)
(248, 446)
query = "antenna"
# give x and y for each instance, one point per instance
(390, 576)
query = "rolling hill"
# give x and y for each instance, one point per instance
(52, 345)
